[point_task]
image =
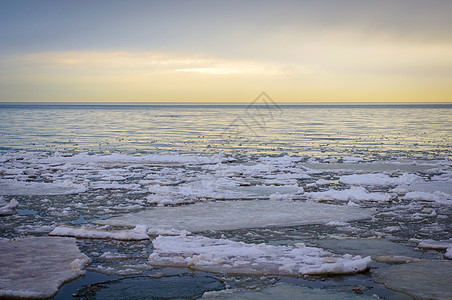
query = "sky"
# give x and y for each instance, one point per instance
(226, 51)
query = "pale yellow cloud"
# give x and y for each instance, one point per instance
(343, 68)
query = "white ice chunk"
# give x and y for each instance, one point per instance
(9, 209)
(231, 215)
(165, 230)
(353, 194)
(435, 245)
(438, 197)
(379, 179)
(428, 186)
(163, 158)
(448, 253)
(221, 255)
(136, 234)
(36, 267)
(12, 187)
(322, 182)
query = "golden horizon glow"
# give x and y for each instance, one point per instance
(293, 61)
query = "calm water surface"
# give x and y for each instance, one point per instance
(363, 130)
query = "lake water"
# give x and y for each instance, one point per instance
(233, 201)
(363, 130)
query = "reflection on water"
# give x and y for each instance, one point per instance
(419, 130)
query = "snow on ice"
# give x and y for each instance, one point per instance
(231, 215)
(136, 234)
(221, 255)
(36, 267)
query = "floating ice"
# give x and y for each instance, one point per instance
(368, 247)
(438, 197)
(448, 253)
(366, 167)
(427, 186)
(183, 286)
(37, 267)
(285, 291)
(136, 234)
(421, 280)
(395, 259)
(379, 179)
(12, 187)
(435, 245)
(353, 194)
(9, 209)
(221, 255)
(168, 158)
(231, 215)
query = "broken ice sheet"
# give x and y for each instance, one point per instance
(136, 234)
(421, 280)
(36, 267)
(377, 248)
(221, 255)
(284, 291)
(231, 215)
(11, 187)
(9, 208)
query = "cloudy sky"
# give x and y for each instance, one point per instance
(220, 51)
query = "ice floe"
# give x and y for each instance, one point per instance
(376, 248)
(221, 255)
(448, 253)
(230, 215)
(36, 267)
(12, 187)
(379, 179)
(163, 158)
(420, 280)
(435, 245)
(8, 209)
(136, 234)
(352, 194)
(285, 291)
(438, 197)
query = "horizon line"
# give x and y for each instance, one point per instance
(216, 103)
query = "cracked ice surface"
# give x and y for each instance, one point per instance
(221, 255)
(37, 267)
(231, 215)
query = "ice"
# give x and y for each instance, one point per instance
(163, 158)
(182, 286)
(221, 255)
(438, 197)
(166, 230)
(421, 280)
(430, 187)
(285, 291)
(36, 267)
(136, 234)
(231, 215)
(395, 259)
(448, 253)
(379, 179)
(11, 187)
(436, 245)
(366, 167)
(369, 247)
(353, 194)
(9, 209)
